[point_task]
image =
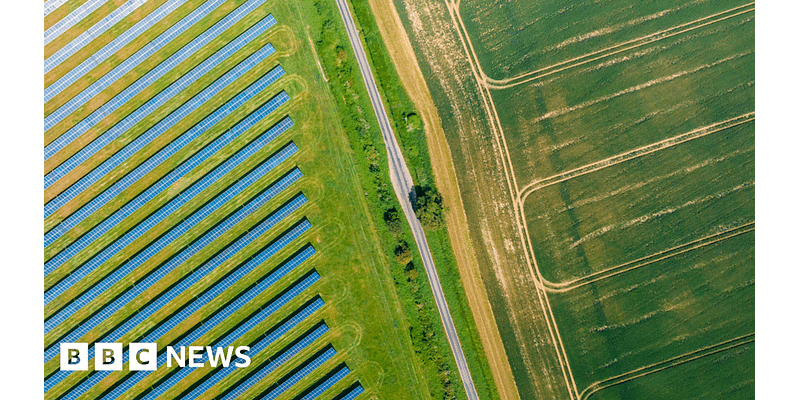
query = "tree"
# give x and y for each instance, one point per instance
(402, 253)
(428, 208)
(393, 221)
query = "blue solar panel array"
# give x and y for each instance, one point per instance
(228, 340)
(168, 122)
(323, 386)
(172, 177)
(353, 393)
(116, 182)
(167, 267)
(187, 281)
(164, 299)
(52, 5)
(201, 330)
(89, 35)
(150, 77)
(297, 376)
(73, 18)
(276, 361)
(155, 247)
(260, 346)
(161, 98)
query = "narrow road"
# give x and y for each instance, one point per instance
(403, 185)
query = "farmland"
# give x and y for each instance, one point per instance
(516, 38)
(266, 241)
(605, 157)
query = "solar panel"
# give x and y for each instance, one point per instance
(164, 184)
(157, 101)
(185, 254)
(353, 393)
(176, 290)
(92, 33)
(177, 173)
(52, 5)
(162, 155)
(201, 330)
(275, 362)
(157, 246)
(152, 75)
(258, 347)
(224, 342)
(151, 105)
(297, 376)
(73, 18)
(327, 384)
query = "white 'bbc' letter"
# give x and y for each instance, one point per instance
(108, 356)
(244, 357)
(74, 356)
(142, 356)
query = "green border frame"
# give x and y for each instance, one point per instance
(21, 234)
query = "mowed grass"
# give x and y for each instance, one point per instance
(515, 37)
(644, 206)
(649, 315)
(368, 328)
(718, 376)
(580, 116)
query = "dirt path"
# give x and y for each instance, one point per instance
(411, 76)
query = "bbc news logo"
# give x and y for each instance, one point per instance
(144, 356)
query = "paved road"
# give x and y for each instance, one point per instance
(403, 185)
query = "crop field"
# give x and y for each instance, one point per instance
(200, 190)
(610, 192)
(513, 39)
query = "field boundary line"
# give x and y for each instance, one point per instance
(635, 153)
(561, 287)
(666, 364)
(497, 130)
(606, 52)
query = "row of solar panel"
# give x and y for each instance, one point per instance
(160, 99)
(257, 348)
(90, 34)
(165, 298)
(196, 188)
(151, 76)
(230, 338)
(71, 19)
(165, 182)
(199, 331)
(52, 5)
(179, 259)
(162, 242)
(165, 153)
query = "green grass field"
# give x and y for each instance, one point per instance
(518, 37)
(368, 325)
